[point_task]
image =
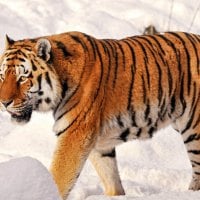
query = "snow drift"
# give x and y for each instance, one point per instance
(26, 179)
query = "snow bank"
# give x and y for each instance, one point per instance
(26, 179)
(163, 196)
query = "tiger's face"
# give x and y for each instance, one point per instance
(27, 82)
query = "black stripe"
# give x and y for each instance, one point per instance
(67, 111)
(195, 162)
(101, 69)
(192, 137)
(65, 129)
(197, 37)
(151, 131)
(197, 173)
(124, 135)
(161, 56)
(48, 80)
(160, 89)
(195, 50)
(22, 59)
(122, 54)
(39, 80)
(182, 95)
(159, 50)
(149, 121)
(92, 45)
(119, 121)
(196, 152)
(30, 75)
(111, 154)
(133, 119)
(194, 98)
(133, 71)
(96, 48)
(192, 114)
(33, 40)
(33, 66)
(173, 103)
(163, 109)
(109, 42)
(109, 58)
(64, 89)
(196, 122)
(105, 49)
(138, 134)
(22, 53)
(147, 111)
(189, 123)
(78, 40)
(154, 38)
(112, 58)
(116, 63)
(63, 48)
(171, 44)
(13, 58)
(28, 48)
(170, 79)
(144, 89)
(145, 58)
(189, 76)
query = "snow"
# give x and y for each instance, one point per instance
(25, 179)
(162, 196)
(150, 170)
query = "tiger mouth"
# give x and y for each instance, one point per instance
(22, 116)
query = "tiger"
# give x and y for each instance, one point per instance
(102, 93)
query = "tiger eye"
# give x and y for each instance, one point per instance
(23, 78)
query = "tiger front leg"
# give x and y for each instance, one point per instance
(106, 167)
(71, 153)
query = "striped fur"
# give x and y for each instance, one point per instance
(103, 93)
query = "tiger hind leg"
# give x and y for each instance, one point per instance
(106, 167)
(192, 141)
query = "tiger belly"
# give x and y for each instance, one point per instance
(124, 127)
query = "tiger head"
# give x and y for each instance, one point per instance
(27, 81)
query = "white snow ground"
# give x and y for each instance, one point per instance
(150, 170)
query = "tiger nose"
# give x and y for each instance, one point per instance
(7, 103)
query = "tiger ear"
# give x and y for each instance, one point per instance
(9, 41)
(43, 49)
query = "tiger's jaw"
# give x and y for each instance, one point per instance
(22, 118)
